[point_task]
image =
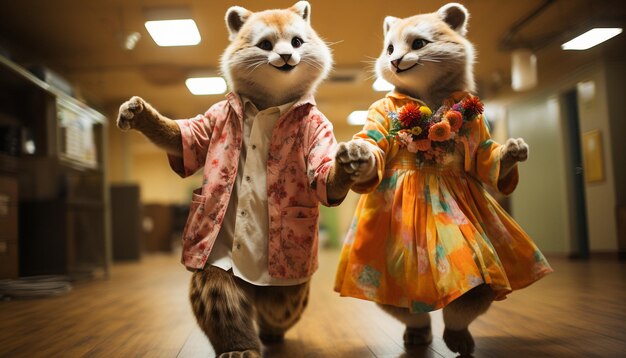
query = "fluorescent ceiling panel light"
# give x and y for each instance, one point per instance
(357, 118)
(182, 32)
(523, 70)
(206, 85)
(591, 38)
(380, 85)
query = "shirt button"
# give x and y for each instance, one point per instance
(248, 178)
(254, 146)
(243, 213)
(238, 246)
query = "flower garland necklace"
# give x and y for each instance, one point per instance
(430, 135)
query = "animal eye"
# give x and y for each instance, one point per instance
(389, 49)
(418, 44)
(265, 45)
(296, 42)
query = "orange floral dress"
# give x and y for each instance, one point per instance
(426, 230)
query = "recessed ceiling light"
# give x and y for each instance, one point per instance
(380, 85)
(130, 40)
(591, 38)
(181, 32)
(206, 85)
(357, 118)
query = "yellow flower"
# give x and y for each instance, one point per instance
(426, 112)
(416, 130)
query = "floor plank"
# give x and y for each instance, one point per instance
(142, 311)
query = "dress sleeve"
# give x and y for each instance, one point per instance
(486, 166)
(374, 133)
(196, 136)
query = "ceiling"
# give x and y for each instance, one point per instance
(81, 40)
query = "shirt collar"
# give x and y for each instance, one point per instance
(238, 104)
(398, 95)
(453, 98)
(249, 106)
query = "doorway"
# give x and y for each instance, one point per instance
(578, 214)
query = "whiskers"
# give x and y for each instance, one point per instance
(312, 61)
(249, 64)
(329, 44)
(370, 67)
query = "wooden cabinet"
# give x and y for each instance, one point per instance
(126, 221)
(8, 227)
(59, 216)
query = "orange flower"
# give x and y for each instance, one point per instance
(455, 119)
(439, 132)
(422, 144)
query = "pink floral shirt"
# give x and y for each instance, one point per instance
(299, 161)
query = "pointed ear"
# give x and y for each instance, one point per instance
(302, 8)
(235, 18)
(456, 16)
(389, 20)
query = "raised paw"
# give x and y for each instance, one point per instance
(414, 336)
(460, 342)
(515, 150)
(356, 159)
(250, 353)
(129, 111)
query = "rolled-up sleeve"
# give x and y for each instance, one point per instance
(320, 154)
(196, 136)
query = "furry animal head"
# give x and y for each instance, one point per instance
(427, 56)
(274, 56)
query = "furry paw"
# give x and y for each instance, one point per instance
(515, 150)
(414, 336)
(250, 353)
(460, 342)
(356, 160)
(129, 112)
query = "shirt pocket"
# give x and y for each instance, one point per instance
(299, 238)
(196, 225)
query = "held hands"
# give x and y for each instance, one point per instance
(132, 112)
(354, 160)
(354, 163)
(513, 151)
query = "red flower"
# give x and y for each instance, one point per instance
(410, 115)
(455, 119)
(472, 106)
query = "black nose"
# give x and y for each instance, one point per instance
(396, 63)
(285, 57)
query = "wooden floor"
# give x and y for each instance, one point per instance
(142, 311)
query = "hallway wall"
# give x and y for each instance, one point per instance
(540, 203)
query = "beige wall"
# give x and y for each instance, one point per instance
(600, 196)
(133, 159)
(540, 203)
(616, 78)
